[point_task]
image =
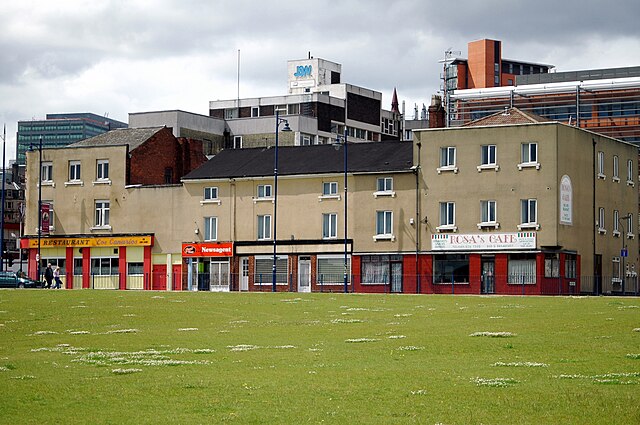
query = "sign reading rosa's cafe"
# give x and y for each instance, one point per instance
(484, 241)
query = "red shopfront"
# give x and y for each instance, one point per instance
(94, 262)
(208, 266)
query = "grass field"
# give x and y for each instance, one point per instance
(111, 357)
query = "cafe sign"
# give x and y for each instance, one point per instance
(483, 241)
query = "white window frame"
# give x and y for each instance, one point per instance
(237, 142)
(488, 151)
(630, 234)
(329, 191)
(102, 172)
(447, 217)
(75, 176)
(601, 174)
(630, 179)
(47, 174)
(616, 169)
(263, 231)
(329, 226)
(210, 195)
(616, 224)
(210, 229)
(526, 221)
(601, 222)
(447, 159)
(255, 111)
(384, 187)
(102, 208)
(527, 151)
(487, 209)
(261, 193)
(384, 220)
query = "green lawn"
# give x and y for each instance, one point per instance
(112, 357)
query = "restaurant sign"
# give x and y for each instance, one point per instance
(483, 241)
(87, 242)
(210, 249)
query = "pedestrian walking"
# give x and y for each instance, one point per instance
(56, 278)
(48, 276)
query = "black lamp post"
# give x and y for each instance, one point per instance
(338, 143)
(39, 204)
(286, 128)
(4, 172)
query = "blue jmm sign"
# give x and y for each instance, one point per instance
(303, 71)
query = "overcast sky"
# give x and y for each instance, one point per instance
(120, 56)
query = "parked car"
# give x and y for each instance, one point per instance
(11, 280)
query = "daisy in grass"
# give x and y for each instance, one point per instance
(494, 334)
(357, 340)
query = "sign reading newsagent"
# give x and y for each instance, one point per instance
(485, 241)
(212, 249)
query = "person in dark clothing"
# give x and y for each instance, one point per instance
(48, 276)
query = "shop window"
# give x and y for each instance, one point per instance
(451, 268)
(522, 268)
(570, 269)
(263, 274)
(135, 269)
(331, 270)
(551, 265)
(378, 269)
(106, 266)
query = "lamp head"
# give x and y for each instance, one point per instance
(286, 126)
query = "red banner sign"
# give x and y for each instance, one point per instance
(207, 249)
(46, 217)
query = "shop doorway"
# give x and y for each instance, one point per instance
(304, 274)
(244, 277)
(396, 277)
(488, 285)
(159, 277)
(219, 276)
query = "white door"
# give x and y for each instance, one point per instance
(304, 275)
(244, 277)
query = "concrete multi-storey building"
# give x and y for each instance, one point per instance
(58, 130)
(318, 106)
(505, 206)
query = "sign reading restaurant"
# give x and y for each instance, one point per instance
(485, 241)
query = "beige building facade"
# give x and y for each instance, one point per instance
(529, 208)
(540, 208)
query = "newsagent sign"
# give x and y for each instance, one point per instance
(484, 241)
(207, 249)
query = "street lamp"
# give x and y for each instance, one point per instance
(622, 251)
(275, 194)
(337, 145)
(4, 172)
(39, 204)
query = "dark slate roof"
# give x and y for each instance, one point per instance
(133, 137)
(297, 160)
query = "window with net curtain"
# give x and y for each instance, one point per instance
(522, 268)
